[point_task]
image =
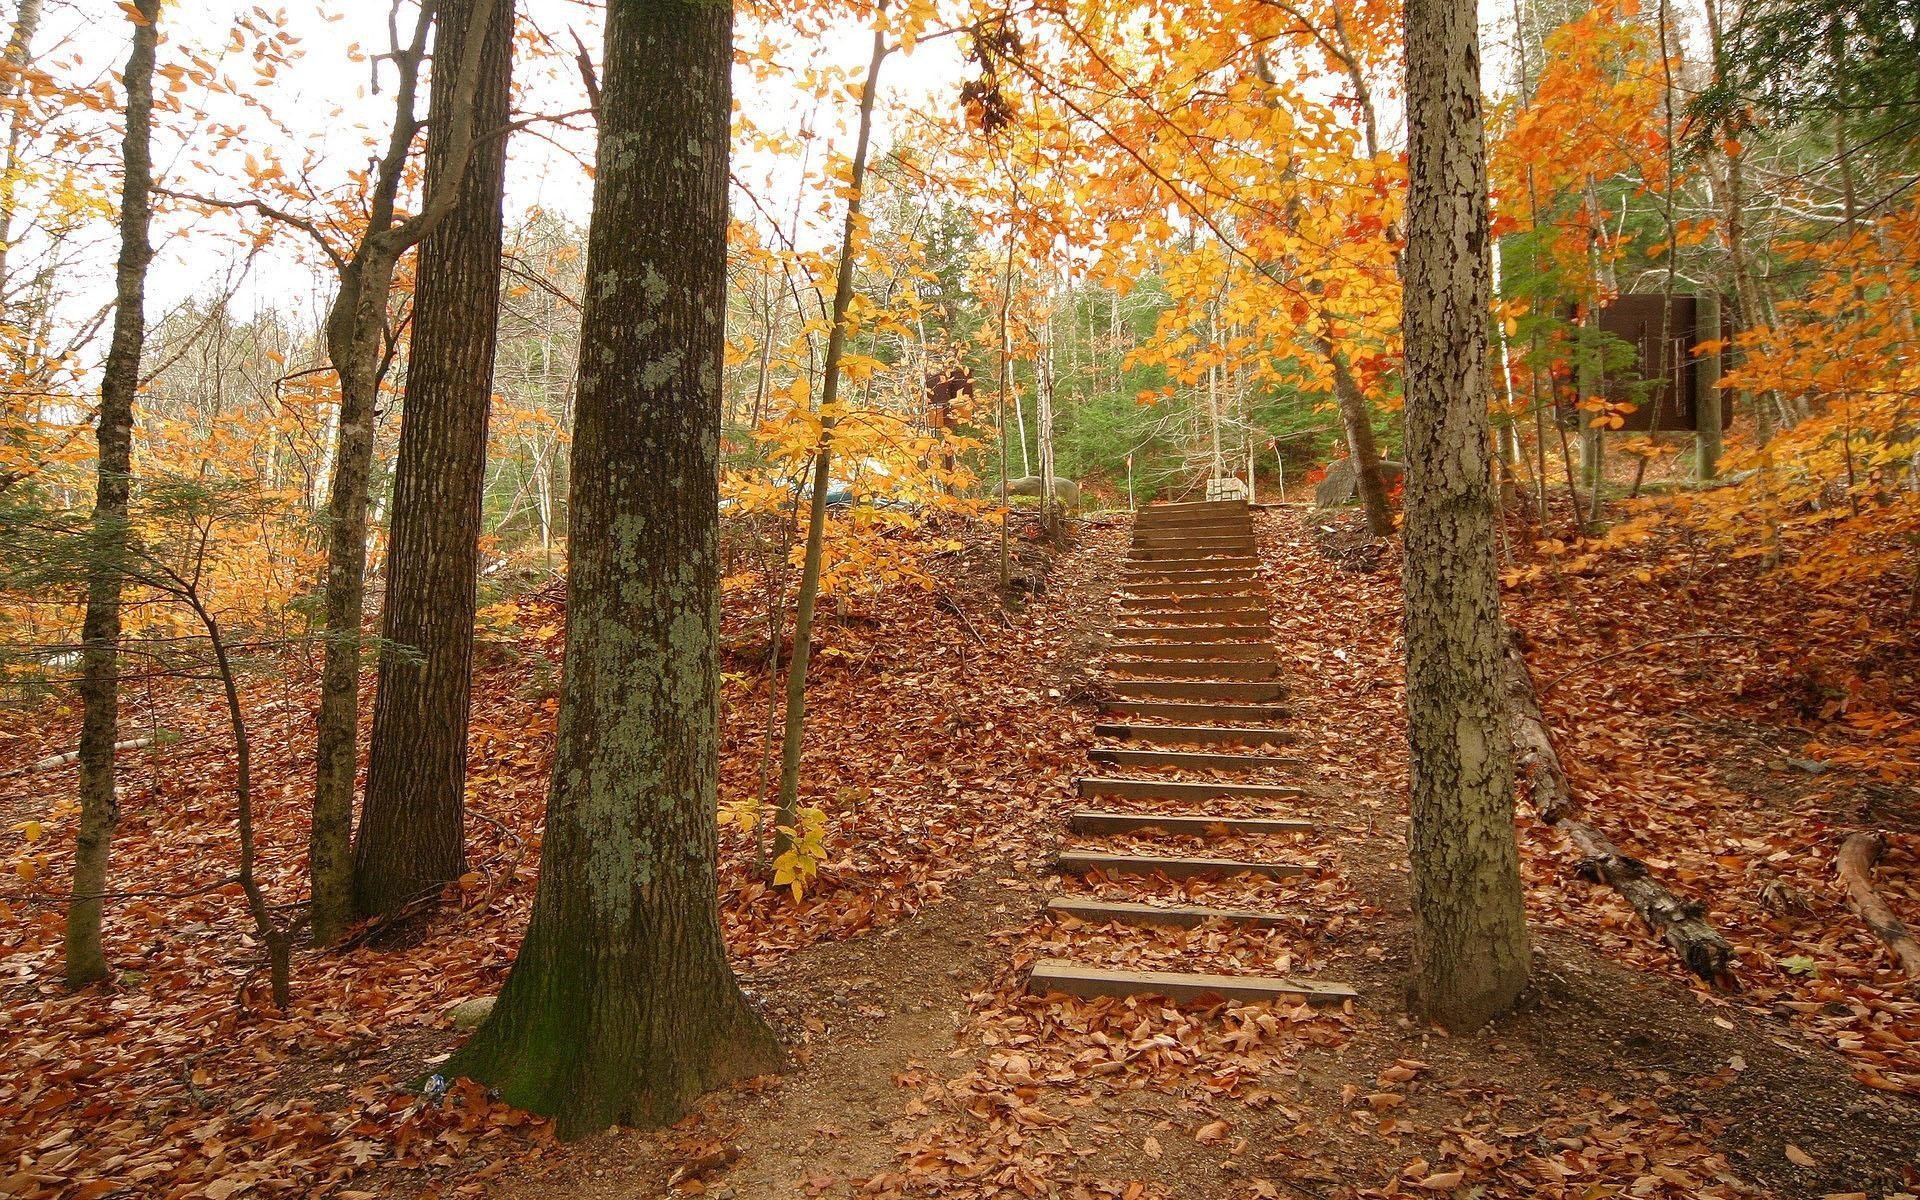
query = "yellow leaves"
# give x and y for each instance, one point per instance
(807, 849)
(860, 367)
(744, 815)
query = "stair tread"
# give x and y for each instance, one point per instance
(1097, 820)
(1076, 979)
(1133, 912)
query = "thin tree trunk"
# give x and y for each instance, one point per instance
(1470, 939)
(1355, 418)
(410, 840)
(86, 960)
(1043, 434)
(621, 1007)
(1019, 406)
(1005, 358)
(796, 717)
(19, 53)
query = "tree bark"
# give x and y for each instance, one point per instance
(1470, 946)
(410, 840)
(1357, 421)
(621, 1007)
(356, 330)
(86, 960)
(1706, 390)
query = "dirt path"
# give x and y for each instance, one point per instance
(925, 1069)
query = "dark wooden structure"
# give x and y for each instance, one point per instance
(1665, 381)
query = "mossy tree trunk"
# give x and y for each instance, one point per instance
(621, 1007)
(1470, 938)
(86, 959)
(411, 839)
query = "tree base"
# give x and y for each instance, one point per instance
(591, 1063)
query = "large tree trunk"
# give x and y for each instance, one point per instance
(86, 959)
(1470, 937)
(410, 838)
(621, 1006)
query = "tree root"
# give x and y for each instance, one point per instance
(1854, 864)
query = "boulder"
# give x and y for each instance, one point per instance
(1340, 484)
(1066, 493)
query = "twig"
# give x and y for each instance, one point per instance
(951, 605)
(1675, 637)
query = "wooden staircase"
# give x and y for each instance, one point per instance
(1193, 690)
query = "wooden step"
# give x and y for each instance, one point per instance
(1250, 690)
(1212, 569)
(1091, 821)
(1182, 710)
(1247, 634)
(1194, 527)
(1196, 735)
(1161, 508)
(1191, 552)
(1198, 760)
(1171, 538)
(1196, 564)
(1197, 651)
(1054, 975)
(1194, 604)
(1253, 618)
(1193, 587)
(1121, 787)
(1245, 595)
(1099, 862)
(1160, 668)
(1130, 912)
(1179, 569)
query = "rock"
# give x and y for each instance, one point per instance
(1065, 491)
(469, 1013)
(1340, 486)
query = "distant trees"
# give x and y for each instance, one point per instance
(621, 1007)
(86, 960)
(410, 839)
(1470, 937)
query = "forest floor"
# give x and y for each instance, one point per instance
(943, 747)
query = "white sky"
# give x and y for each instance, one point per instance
(544, 166)
(325, 101)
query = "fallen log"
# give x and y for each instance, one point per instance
(1854, 864)
(1680, 923)
(54, 762)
